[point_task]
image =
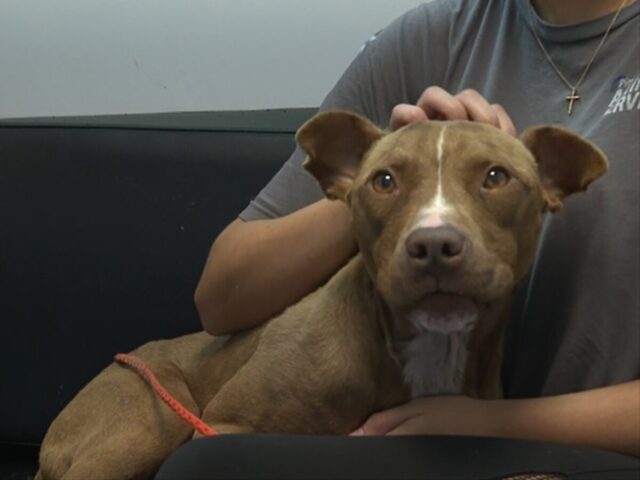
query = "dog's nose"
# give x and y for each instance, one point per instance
(436, 247)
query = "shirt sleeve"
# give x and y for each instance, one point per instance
(391, 68)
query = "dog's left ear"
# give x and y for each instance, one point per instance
(335, 142)
(567, 163)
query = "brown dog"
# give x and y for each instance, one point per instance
(446, 216)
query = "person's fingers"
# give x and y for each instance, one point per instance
(438, 104)
(506, 124)
(477, 107)
(383, 422)
(404, 114)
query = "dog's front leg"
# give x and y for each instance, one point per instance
(292, 392)
(253, 401)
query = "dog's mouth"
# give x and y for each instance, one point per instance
(445, 312)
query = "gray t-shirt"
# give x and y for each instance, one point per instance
(576, 324)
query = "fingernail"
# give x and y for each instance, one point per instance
(357, 433)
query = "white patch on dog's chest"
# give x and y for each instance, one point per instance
(434, 363)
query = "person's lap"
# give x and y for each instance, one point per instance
(425, 457)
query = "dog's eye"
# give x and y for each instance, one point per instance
(496, 177)
(383, 182)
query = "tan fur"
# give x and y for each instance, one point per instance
(330, 361)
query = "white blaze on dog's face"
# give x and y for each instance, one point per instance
(446, 214)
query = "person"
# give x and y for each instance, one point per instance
(572, 350)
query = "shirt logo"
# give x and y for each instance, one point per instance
(627, 96)
(371, 39)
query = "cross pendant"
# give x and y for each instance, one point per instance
(572, 98)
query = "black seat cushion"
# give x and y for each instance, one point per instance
(103, 236)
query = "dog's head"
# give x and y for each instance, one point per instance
(446, 214)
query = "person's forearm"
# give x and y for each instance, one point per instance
(256, 269)
(606, 418)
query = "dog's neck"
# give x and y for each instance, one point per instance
(434, 363)
(431, 363)
(462, 362)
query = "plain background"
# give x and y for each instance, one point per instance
(89, 57)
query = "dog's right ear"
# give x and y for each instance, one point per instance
(335, 142)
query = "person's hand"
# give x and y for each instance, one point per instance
(445, 415)
(438, 104)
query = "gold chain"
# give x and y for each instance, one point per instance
(573, 96)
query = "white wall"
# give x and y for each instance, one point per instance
(84, 57)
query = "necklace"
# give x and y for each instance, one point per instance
(573, 96)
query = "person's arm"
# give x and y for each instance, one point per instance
(256, 269)
(606, 418)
